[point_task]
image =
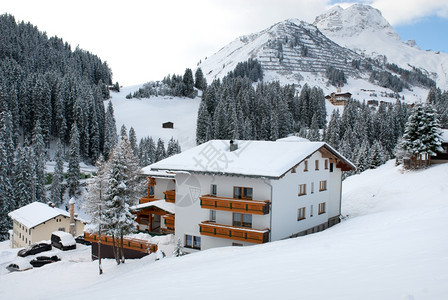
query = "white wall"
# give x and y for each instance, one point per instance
(286, 201)
(334, 206)
(189, 213)
(162, 185)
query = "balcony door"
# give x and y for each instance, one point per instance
(242, 193)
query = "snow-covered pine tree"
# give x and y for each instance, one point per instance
(422, 133)
(6, 166)
(110, 131)
(123, 131)
(74, 172)
(376, 158)
(160, 150)
(94, 198)
(58, 176)
(199, 79)
(24, 174)
(40, 161)
(188, 82)
(133, 141)
(203, 123)
(120, 194)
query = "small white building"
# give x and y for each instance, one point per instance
(36, 221)
(254, 192)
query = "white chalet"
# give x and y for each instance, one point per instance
(251, 192)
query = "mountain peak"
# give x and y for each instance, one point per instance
(354, 20)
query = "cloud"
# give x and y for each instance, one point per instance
(402, 12)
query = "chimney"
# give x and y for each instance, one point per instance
(233, 145)
(51, 204)
(72, 216)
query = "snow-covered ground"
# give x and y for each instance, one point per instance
(146, 115)
(392, 245)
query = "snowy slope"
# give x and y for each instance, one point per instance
(392, 246)
(146, 115)
(364, 30)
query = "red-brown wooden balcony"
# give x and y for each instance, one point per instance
(169, 221)
(147, 199)
(128, 243)
(170, 196)
(257, 236)
(235, 205)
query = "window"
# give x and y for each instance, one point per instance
(302, 189)
(311, 210)
(151, 191)
(212, 216)
(312, 187)
(301, 214)
(331, 167)
(326, 164)
(321, 208)
(242, 220)
(237, 244)
(242, 192)
(193, 242)
(61, 229)
(317, 164)
(305, 169)
(323, 185)
(213, 189)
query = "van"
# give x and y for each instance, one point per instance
(63, 240)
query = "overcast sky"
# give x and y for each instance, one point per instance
(146, 40)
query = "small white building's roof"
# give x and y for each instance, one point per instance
(36, 213)
(252, 158)
(162, 204)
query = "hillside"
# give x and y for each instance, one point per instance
(390, 246)
(146, 115)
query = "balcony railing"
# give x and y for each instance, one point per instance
(147, 199)
(257, 236)
(235, 205)
(128, 243)
(170, 196)
(169, 221)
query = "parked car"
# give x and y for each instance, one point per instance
(81, 240)
(34, 249)
(63, 240)
(43, 260)
(18, 266)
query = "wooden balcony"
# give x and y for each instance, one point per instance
(170, 196)
(235, 205)
(147, 199)
(257, 236)
(128, 243)
(169, 221)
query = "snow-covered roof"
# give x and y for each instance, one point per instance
(162, 174)
(252, 158)
(162, 204)
(293, 138)
(36, 213)
(444, 135)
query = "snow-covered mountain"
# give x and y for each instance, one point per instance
(356, 40)
(363, 29)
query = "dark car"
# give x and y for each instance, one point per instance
(34, 249)
(43, 260)
(81, 240)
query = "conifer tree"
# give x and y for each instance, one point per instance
(39, 160)
(133, 141)
(74, 172)
(160, 150)
(199, 79)
(422, 133)
(58, 177)
(110, 130)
